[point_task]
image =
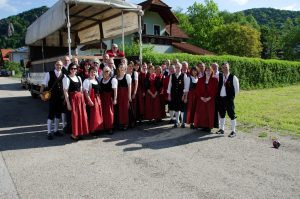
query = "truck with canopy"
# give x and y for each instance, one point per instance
(69, 23)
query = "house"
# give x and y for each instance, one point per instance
(5, 56)
(161, 30)
(20, 55)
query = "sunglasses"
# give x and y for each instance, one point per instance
(73, 69)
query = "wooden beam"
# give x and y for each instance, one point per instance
(85, 18)
(84, 9)
(98, 13)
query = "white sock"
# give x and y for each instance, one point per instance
(171, 115)
(49, 125)
(56, 123)
(222, 123)
(233, 124)
(63, 119)
(177, 116)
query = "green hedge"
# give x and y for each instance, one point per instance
(252, 72)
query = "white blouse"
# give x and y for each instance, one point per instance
(128, 79)
(188, 82)
(87, 84)
(66, 82)
(114, 82)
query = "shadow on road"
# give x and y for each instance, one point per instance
(159, 136)
(23, 126)
(11, 87)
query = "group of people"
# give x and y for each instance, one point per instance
(93, 96)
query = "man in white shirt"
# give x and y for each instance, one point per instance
(228, 88)
(53, 81)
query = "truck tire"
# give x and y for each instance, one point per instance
(33, 95)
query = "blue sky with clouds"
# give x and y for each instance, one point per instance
(13, 7)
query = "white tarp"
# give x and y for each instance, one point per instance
(48, 23)
(56, 18)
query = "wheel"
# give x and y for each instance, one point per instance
(33, 95)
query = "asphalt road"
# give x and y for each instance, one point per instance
(151, 161)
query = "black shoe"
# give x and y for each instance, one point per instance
(74, 138)
(50, 136)
(192, 126)
(171, 121)
(208, 130)
(175, 125)
(110, 132)
(59, 134)
(220, 132)
(182, 125)
(232, 134)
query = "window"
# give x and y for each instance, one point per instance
(156, 30)
(144, 29)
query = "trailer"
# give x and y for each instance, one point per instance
(69, 23)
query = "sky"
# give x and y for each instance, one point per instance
(13, 7)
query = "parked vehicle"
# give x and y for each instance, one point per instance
(68, 24)
(4, 73)
(25, 80)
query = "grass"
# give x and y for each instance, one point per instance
(277, 109)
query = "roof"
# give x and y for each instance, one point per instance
(192, 49)
(5, 52)
(84, 14)
(176, 31)
(161, 8)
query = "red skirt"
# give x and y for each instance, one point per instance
(78, 114)
(96, 116)
(140, 103)
(123, 104)
(205, 113)
(191, 106)
(152, 107)
(107, 110)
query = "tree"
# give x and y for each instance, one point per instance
(236, 39)
(204, 18)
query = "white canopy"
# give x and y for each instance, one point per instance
(91, 15)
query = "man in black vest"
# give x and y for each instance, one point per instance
(176, 93)
(228, 88)
(53, 81)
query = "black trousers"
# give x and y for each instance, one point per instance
(226, 104)
(55, 107)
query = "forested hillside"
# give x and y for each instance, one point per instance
(266, 16)
(13, 28)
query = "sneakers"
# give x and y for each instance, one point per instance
(182, 125)
(175, 125)
(220, 132)
(49, 136)
(232, 134)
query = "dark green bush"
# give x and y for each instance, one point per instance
(12, 66)
(252, 72)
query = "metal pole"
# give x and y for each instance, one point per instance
(43, 56)
(123, 32)
(69, 31)
(140, 36)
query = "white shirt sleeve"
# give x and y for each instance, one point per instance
(114, 83)
(186, 81)
(86, 85)
(136, 75)
(66, 83)
(46, 79)
(128, 79)
(80, 82)
(169, 85)
(236, 85)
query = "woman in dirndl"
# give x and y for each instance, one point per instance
(191, 97)
(75, 103)
(109, 86)
(91, 90)
(124, 96)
